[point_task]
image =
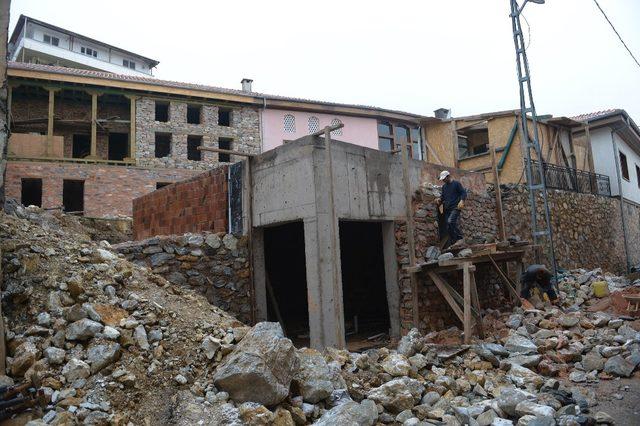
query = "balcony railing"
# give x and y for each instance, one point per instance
(568, 179)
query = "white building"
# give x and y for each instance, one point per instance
(38, 42)
(615, 144)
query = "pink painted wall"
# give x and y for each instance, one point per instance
(356, 130)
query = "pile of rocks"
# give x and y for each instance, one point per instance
(107, 341)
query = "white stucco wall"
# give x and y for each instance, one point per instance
(604, 160)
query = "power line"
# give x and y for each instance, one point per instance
(616, 31)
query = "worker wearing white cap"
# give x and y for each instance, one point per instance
(452, 201)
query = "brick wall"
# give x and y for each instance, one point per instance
(195, 205)
(108, 190)
(216, 265)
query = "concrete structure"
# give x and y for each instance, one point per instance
(38, 42)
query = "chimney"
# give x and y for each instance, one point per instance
(442, 113)
(246, 84)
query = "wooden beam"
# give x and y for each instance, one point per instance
(439, 282)
(94, 126)
(475, 301)
(132, 128)
(466, 284)
(225, 151)
(505, 279)
(456, 150)
(496, 181)
(50, 113)
(415, 303)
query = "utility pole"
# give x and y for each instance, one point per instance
(536, 181)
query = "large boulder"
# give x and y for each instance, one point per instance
(260, 368)
(83, 329)
(411, 343)
(350, 414)
(396, 365)
(76, 369)
(521, 345)
(398, 395)
(313, 377)
(100, 356)
(619, 366)
(509, 398)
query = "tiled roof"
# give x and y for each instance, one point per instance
(193, 86)
(597, 114)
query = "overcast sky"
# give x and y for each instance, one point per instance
(413, 56)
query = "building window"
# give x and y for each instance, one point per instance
(54, 41)
(31, 193)
(89, 51)
(638, 175)
(314, 124)
(224, 117)
(473, 142)
(624, 166)
(163, 145)
(193, 114)
(73, 196)
(128, 64)
(81, 147)
(162, 112)
(193, 143)
(224, 143)
(391, 136)
(289, 123)
(337, 132)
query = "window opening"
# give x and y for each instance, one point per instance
(224, 143)
(162, 112)
(289, 123)
(193, 114)
(163, 145)
(314, 124)
(73, 196)
(224, 117)
(193, 153)
(31, 192)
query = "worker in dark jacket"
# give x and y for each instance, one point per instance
(538, 276)
(452, 201)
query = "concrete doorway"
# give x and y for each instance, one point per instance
(73, 196)
(364, 287)
(285, 268)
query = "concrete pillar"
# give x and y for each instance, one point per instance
(132, 129)
(324, 284)
(259, 274)
(391, 277)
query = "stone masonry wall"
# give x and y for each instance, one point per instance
(194, 205)
(587, 228)
(244, 130)
(216, 265)
(108, 190)
(587, 234)
(4, 128)
(477, 223)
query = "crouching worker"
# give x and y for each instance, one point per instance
(540, 277)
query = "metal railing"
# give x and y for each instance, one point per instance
(568, 179)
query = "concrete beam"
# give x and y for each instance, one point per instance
(391, 277)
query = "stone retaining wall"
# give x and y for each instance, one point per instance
(216, 265)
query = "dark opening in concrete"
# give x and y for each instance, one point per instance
(118, 146)
(364, 293)
(73, 196)
(81, 146)
(31, 194)
(287, 280)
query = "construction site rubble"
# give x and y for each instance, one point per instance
(107, 341)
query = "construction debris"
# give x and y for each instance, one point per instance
(108, 342)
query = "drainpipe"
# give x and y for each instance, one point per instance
(616, 155)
